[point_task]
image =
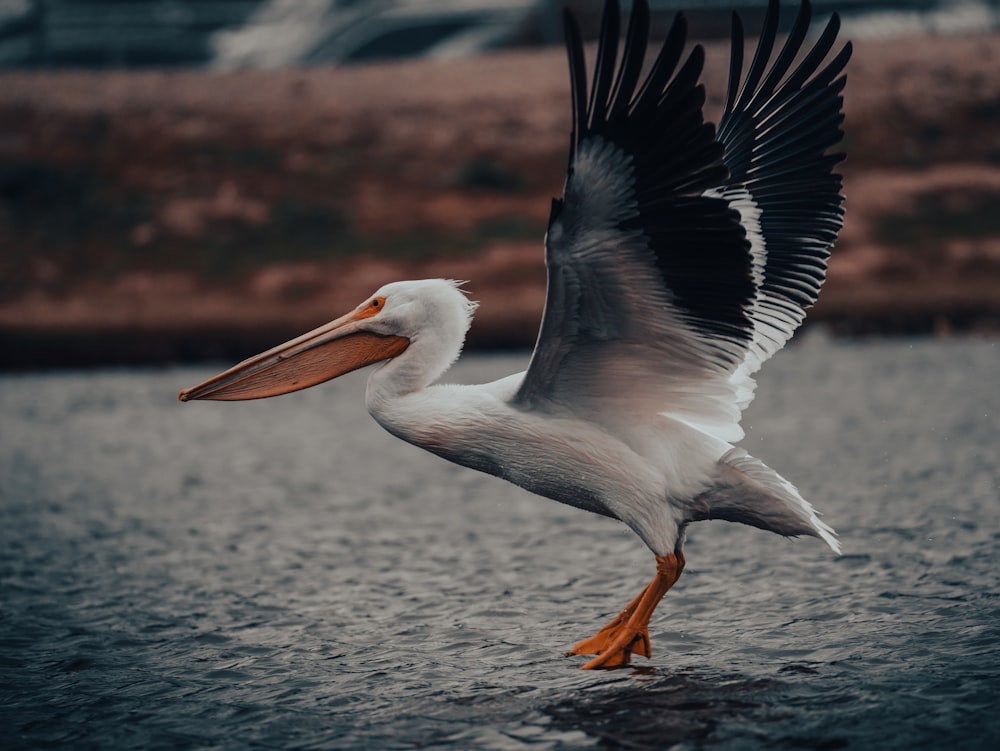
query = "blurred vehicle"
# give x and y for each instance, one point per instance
(290, 32)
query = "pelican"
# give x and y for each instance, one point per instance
(680, 258)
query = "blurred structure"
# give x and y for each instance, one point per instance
(114, 33)
(260, 33)
(272, 33)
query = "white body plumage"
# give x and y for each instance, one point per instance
(656, 474)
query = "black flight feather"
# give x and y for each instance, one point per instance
(736, 223)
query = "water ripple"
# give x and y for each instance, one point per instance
(283, 574)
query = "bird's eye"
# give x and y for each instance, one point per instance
(371, 308)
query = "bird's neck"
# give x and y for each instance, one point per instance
(424, 361)
(419, 417)
(438, 418)
(400, 395)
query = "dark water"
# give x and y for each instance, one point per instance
(283, 574)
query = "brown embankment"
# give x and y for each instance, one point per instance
(153, 217)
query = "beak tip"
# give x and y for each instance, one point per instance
(184, 396)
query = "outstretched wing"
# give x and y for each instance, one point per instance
(659, 294)
(776, 129)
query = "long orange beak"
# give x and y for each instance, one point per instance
(324, 353)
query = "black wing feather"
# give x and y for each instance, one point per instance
(577, 80)
(604, 70)
(675, 158)
(776, 133)
(726, 232)
(632, 60)
(664, 67)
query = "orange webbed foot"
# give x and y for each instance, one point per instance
(601, 642)
(615, 649)
(628, 632)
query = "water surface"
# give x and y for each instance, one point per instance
(283, 574)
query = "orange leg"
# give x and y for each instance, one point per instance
(628, 632)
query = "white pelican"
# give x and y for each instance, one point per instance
(680, 258)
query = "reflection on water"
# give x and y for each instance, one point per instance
(285, 574)
(649, 710)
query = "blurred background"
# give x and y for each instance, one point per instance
(183, 180)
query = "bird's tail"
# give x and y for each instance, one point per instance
(750, 492)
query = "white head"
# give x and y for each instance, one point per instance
(414, 308)
(419, 325)
(434, 315)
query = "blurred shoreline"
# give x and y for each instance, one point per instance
(151, 217)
